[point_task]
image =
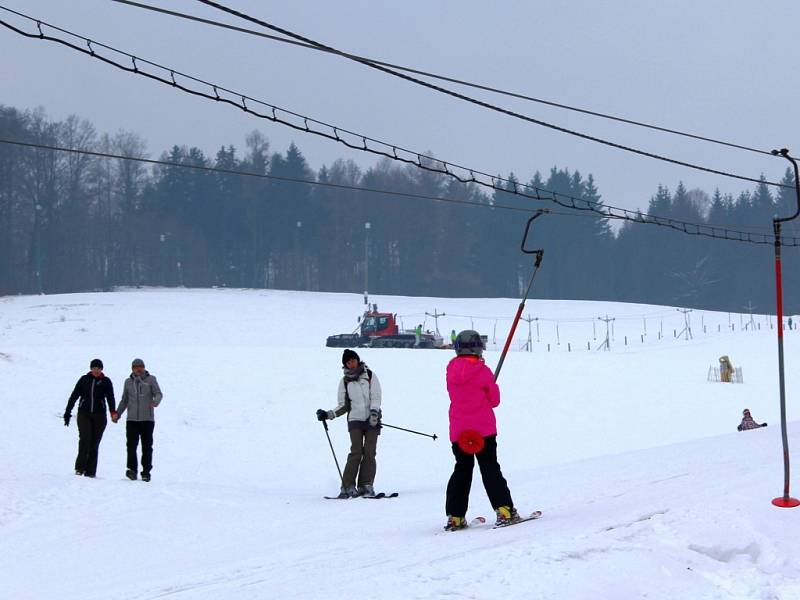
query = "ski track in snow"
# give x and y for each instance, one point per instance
(645, 493)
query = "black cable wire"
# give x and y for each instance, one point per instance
(412, 158)
(478, 86)
(484, 104)
(341, 186)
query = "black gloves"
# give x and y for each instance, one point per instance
(374, 417)
(67, 417)
(322, 415)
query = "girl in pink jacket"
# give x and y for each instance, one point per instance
(473, 432)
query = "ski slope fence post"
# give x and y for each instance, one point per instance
(785, 501)
(539, 255)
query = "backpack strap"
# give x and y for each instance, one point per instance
(347, 402)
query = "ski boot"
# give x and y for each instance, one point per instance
(505, 515)
(455, 523)
(349, 492)
(366, 490)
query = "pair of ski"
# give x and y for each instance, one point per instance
(378, 496)
(477, 521)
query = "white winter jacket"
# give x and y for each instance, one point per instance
(365, 395)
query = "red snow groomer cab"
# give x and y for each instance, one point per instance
(380, 330)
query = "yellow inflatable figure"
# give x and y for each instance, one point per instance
(725, 369)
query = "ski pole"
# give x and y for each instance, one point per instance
(328, 435)
(539, 255)
(434, 436)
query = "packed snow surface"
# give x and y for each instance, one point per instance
(647, 488)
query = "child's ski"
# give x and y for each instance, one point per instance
(477, 521)
(533, 516)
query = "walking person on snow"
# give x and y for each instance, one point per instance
(473, 433)
(359, 396)
(94, 390)
(140, 396)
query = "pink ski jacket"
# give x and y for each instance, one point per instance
(473, 395)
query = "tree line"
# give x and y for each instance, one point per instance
(72, 222)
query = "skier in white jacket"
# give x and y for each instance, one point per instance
(359, 396)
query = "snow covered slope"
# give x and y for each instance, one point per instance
(645, 491)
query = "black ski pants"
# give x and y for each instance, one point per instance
(134, 431)
(461, 480)
(90, 431)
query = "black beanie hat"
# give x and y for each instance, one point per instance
(96, 362)
(348, 354)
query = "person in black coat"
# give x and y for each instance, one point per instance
(96, 392)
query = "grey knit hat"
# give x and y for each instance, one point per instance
(137, 362)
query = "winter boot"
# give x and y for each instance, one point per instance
(505, 515)
(78, 472)
(455, 523)
(130, 474)
(145, 476)
(366, 490)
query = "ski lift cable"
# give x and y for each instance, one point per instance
(482, 103)
(224, 171)
(390, 151)
(495, 90)
(278, 178)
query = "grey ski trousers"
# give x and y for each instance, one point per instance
(361, 460)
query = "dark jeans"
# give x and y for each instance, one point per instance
(90, 431)
(361, 460)
(461, 479)
(144, 430)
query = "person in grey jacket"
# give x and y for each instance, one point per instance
(359, 396)
(140, 396)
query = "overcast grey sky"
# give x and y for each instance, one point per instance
(725, 69)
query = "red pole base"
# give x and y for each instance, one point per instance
(786, 502)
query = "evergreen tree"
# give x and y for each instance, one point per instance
(78, 222)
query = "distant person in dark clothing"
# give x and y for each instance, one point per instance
(95, 391)
(748, 422)
(140, 396)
